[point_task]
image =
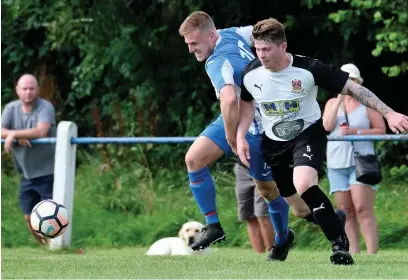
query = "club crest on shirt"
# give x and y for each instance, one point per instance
(297, 86)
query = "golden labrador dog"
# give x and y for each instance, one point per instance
(189, 233)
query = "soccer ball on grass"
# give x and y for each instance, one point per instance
(49, 219)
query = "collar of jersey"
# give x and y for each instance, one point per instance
(287, 67)
(216, 44)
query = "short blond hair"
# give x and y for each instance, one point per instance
(197, 20)
(269, 30)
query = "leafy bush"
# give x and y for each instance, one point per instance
(131, 206)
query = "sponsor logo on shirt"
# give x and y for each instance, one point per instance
(281, 107)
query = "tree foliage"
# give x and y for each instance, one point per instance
(119, 67)
(389, 20)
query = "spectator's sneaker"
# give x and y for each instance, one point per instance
(343, 217)
(340, 255)
(281, 253)
(212, 233)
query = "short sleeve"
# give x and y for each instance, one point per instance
(47, 114)
(245, 94)
(246, 33)
(7, 117)
(221, 73)
(328, 77)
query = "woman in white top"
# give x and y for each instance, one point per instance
(355, 198)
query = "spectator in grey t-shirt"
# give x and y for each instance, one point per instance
(24, 119)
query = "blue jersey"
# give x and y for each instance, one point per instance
(227, 62)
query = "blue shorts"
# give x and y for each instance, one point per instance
(340, 179)
(259, 169)
(35, 190)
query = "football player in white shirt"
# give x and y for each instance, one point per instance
(294, 140)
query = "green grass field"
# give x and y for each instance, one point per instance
(223, 263)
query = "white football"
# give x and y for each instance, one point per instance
(49, 219)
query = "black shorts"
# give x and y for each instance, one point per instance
(35, 190)
(306, 149)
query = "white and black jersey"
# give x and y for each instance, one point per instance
(287, 98)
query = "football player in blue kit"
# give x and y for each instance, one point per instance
(226, 53)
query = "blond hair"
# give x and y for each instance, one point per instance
(269, 30)
(197, 20)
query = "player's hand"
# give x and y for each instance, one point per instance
(243, 151)
(8, 143)
(24, 142)
(398, 122)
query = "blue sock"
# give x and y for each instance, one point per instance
(203, 188)
(279, 214)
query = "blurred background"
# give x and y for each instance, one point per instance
(120, 68)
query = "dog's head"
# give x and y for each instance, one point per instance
(190, 232)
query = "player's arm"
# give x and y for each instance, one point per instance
(230, 111)
(397, 122)
(365, 97)
(247, 109)
(221, 74)
(336, 80)
(246, 116)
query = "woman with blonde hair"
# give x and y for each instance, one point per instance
(345, 115)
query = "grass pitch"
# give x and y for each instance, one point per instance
(223, 263)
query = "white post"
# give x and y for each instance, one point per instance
(64, 177)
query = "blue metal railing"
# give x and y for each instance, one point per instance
(183, 140)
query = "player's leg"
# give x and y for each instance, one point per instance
(244, 191)
(28, 199)
(279, 252)
(363, 197)
(300, 208)
(277, 206)
(309, 153)
(340, 188)
(210, 146)
(278, 210)
(268, 189)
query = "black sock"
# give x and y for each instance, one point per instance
(323, 212)
(310, 218)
